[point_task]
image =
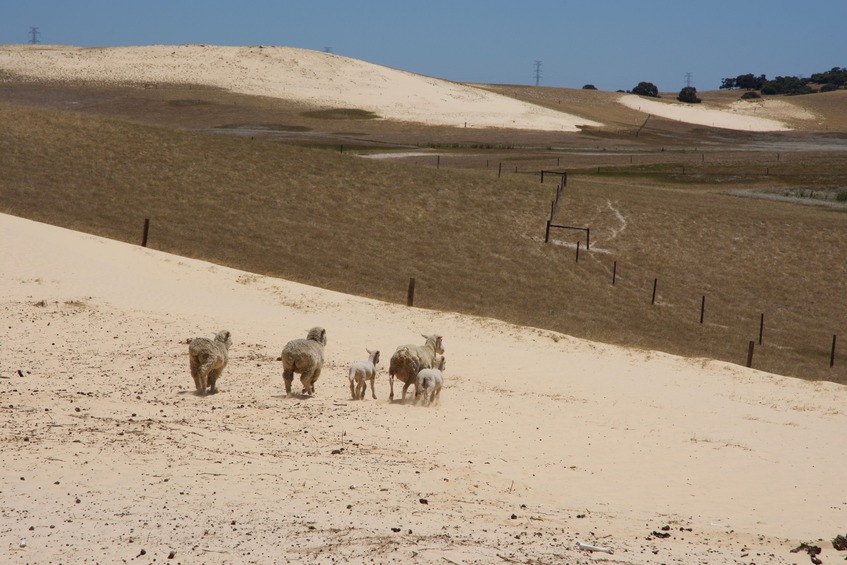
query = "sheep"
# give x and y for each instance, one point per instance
(429, 382)
(207, 359)
(304, 356)
(360, 373)
(409, 359)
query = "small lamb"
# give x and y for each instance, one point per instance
(429, 383)
(360, 373)
(207, 359)
(304, 356)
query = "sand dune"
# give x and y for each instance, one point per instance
(742, 116)
(320, 79)
(540, 440)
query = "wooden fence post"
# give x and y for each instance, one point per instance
(832, 355)
(750, 353)
(577, 252)
(146, 232)
(587, 239)
(547, 233)
(655, 284)
(614, 272)
(761, 327)
(410, 296)
(702, 308)
(499, 170)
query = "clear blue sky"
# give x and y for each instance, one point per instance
(613, 44)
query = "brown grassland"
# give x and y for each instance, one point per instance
(267, 186)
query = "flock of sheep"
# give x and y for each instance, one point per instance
(418, 365)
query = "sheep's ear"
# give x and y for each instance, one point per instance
(323, 336)
(368, 350)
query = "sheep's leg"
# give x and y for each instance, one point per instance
(213, 379)
(361, 385)
(316, 374)
(352, 389)
(306, 379)
(436, 394)
(288, 377)
(391, 385)
(195, 371)
(373, 390)
(406, 387)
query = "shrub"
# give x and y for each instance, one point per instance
(841, 196)
(688, 95)
(589, 87)
(750, 95)
(646, 89)
(829, 87)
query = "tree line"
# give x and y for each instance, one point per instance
(827, 81)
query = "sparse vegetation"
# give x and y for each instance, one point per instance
(341, 114)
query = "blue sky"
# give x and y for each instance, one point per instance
(612, 44)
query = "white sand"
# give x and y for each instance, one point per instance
(740, 116)
(320, 79)
(540, 439)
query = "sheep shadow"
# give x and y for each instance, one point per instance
(198, 393)
(292, 396)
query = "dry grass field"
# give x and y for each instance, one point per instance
(755, 223)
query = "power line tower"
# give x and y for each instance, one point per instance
(537, 73)
(689, 78)
(33, 35)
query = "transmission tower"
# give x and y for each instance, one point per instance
(688, 79)
(537, 73)
(33, 35)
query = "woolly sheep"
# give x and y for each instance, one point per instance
(429, 382)
(409, 359)
(360, 373)
(304, 356)
(207, 359)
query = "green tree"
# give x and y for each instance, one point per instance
(688, 95)
(646, 89)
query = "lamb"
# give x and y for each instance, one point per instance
(409, 359)
(360, 373)
(304, 356)
(207, 359)
(429, 382)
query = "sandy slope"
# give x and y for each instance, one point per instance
(320, 79)
(540, 439)
(758, 115)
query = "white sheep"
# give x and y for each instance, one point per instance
(207, 359)
(361, 372)
(304, 356)
(409, 359)
(429, 382)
